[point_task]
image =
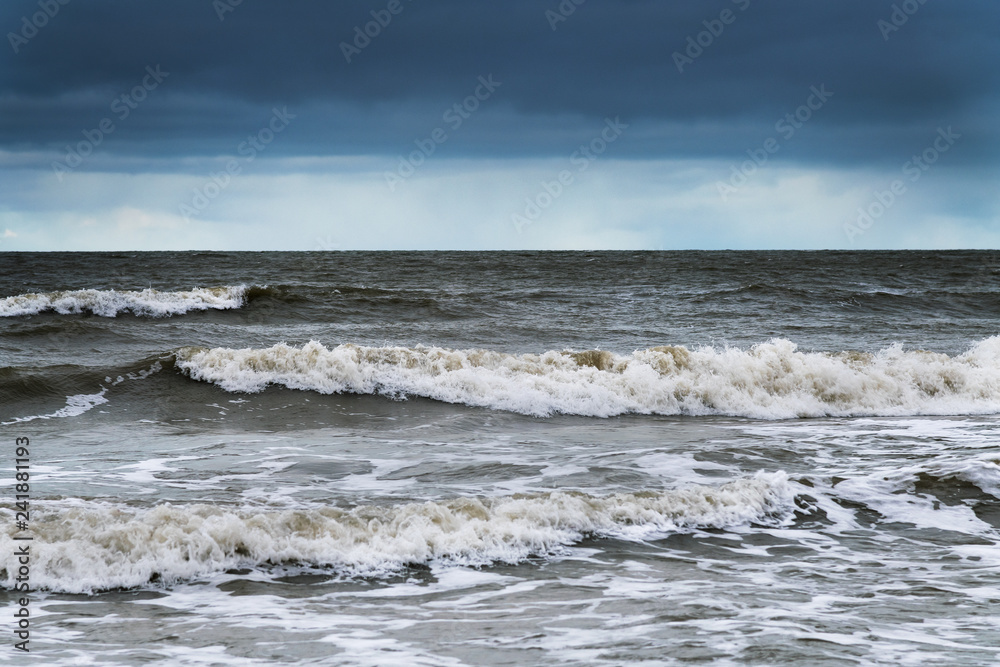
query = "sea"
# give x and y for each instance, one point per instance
(500, 458)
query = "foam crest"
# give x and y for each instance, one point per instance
(109, 303)
(83, 546)
(772, 380)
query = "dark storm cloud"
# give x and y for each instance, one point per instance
(605, 59)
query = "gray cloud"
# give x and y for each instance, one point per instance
(608, 58)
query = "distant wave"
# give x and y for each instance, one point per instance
(84, 546)
(772, 380)
(109, 303)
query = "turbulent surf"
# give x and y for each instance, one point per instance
(613, 458)
(83, 547)
(772, 380)
(110, 303)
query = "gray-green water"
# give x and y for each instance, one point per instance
(759, 458)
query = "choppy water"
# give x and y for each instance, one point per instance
(506, 458)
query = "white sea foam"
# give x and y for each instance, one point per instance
(772, 380)
(76, 405)
(82, 546)
(919, 493)
(109, 303)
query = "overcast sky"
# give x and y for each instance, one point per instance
(466, 124)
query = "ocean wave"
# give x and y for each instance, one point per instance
(86, 546)
(772, 380)
(109, 303)
(76, 405)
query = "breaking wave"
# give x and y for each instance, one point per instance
(109, 303)
(772, 380)
(86, 546)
